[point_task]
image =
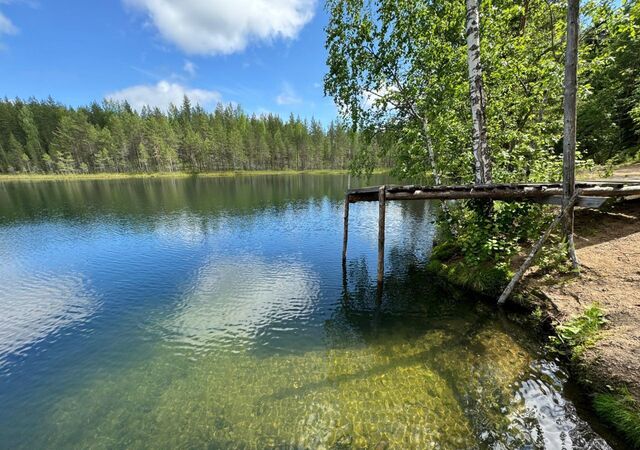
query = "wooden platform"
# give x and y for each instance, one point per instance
(588, 194)
(594, 193)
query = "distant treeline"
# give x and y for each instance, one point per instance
(45, 136)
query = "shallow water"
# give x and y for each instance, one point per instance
(213, 313)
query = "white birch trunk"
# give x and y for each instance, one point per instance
(478, 99)
(432, 156)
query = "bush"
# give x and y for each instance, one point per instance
(492, 238)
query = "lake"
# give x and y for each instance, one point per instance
(213, 313)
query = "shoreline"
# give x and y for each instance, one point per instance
(603, 357)
(148, 175)
(607, 363)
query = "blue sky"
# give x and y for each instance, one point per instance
(266, 55)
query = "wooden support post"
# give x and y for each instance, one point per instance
(345, 238)
(381, 219)
(570, 120)
(536, 248)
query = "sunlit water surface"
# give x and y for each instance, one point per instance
(213, 312)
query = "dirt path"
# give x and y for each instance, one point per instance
(627, 172)
(608, 247)
(632, 171)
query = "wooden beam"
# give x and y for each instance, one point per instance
(503, 192)
(570, 120)
(371, 193)
(583, 202)
(536, 248)
(345, 238)
(381, 224)
(511, 194)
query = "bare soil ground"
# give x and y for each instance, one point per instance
(632, 171)
(608, 248)
(626, 172)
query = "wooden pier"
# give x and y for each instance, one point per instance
(568, 194)
(588, 194)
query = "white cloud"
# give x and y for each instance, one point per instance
(237, 298)
(6, 26)
(190, 68)
(36, 305)
(224, 26)
(288, 96)
(162, 95)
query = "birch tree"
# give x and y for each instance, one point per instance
(481, 155)
(433, 48)
(394, 69)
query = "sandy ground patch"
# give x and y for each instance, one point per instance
(608, 247)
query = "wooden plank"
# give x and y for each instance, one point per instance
(355, 198)
(536, 248)
(583, 202)
(468, 187)
(497, 192)
(510, 194)
(381, 224)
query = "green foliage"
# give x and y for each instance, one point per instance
(609, 96)
(398, 69)
(576, 335)
(537, 314)
(553, 256)
(608, 168)
(622, 412)
(44, 136)
(449, 260)
(495, 238)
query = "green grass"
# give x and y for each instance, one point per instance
(622, 412)
(578, 334)
(114, 176)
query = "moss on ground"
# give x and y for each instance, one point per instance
(485, 279)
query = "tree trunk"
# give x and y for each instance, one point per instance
(570, 120)
(478, 99)
(432, 156)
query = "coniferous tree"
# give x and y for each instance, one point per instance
(44, 136)
(3, 159)
(15, 155)
(32, 137)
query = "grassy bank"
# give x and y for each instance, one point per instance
(622, 412)
(116, 176)
(616, 407)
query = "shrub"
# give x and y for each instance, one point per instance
(576, 335)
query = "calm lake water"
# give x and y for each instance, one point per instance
(212, 313)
